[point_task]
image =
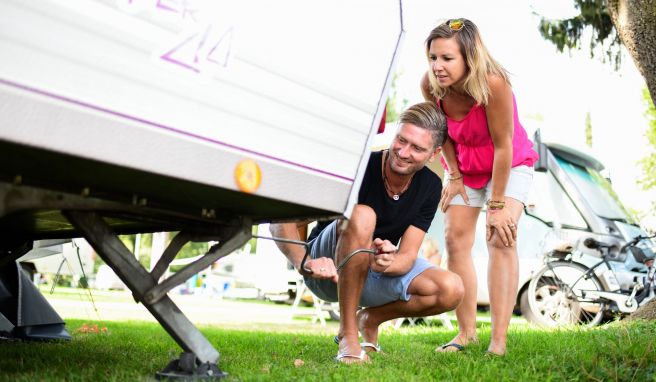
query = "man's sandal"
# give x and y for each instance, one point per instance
(376, 347)
(362, 357)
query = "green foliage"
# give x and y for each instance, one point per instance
(143, 251)
(145, 247)
(393, 109)
(253, 241)
(568, 33)
(648, 163)
(588, 130)
(192, 250)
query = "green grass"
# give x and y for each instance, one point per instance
(136, 350)
(79, 294)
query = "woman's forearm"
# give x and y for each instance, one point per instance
(501, 170)
(449, 155)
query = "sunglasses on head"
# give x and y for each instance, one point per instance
(455, 24)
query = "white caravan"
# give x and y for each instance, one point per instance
(198, 116)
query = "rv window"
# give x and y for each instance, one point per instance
(548, 202)
(598, 192)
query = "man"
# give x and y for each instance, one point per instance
(397, 202)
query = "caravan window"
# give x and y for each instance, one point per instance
(598, 192)
(549, 202)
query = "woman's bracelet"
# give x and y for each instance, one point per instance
(455, 177)
(495, 204)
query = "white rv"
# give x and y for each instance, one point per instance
(202, 117)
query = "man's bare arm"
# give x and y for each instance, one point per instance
(320, 268)
(293, 252)
(397, 262)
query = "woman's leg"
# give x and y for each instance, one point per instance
(460, 230)
(502, 282)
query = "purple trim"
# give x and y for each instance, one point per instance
(168, 56)
(165, 7)
(168, 128)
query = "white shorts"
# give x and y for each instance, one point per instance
(518, 187)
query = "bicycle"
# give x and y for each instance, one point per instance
(567, 291)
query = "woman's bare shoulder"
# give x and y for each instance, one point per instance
(499, 87)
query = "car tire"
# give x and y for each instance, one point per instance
(525, 308)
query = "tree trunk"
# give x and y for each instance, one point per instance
(635, 22)
(645, 312)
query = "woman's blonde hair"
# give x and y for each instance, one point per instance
(479, 63)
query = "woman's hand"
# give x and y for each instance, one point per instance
(452, 188)
(501, 222)
(384, 256)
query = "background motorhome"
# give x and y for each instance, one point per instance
(73, 258)
(570, 200)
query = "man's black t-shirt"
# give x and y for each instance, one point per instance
(416, 206)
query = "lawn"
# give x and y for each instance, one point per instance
(131, 351)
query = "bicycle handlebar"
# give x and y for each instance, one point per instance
(635, 241)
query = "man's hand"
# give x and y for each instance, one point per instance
(322, 268)
(384, 256)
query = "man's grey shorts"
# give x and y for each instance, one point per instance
(518, 187)
(378, 289)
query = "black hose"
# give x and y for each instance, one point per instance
(347, 258)
(307, 251)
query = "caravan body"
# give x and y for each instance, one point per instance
(198, 116)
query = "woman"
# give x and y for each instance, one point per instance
(489, 160)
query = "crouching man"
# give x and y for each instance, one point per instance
(397, 201)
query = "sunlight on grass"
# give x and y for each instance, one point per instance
(136, 350)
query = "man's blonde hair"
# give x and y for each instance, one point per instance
(479, 63)
(427, 116)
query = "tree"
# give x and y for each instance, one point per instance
(392, 105)
(588, 130)
(648, 163)
(631, 23)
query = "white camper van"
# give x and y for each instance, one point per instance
(570, 201)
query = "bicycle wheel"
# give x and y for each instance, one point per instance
(559, 294)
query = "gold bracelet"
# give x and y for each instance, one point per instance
(495, 204)
(456, 178)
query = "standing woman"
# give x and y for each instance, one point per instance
(489, 160)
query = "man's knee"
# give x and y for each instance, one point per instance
(362, 222)
(453, 289)
(448, 289)
(445, 288)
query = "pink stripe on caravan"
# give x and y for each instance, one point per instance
(165, 127)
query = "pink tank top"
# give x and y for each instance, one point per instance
(475, 150)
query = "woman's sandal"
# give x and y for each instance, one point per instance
(451, 344)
